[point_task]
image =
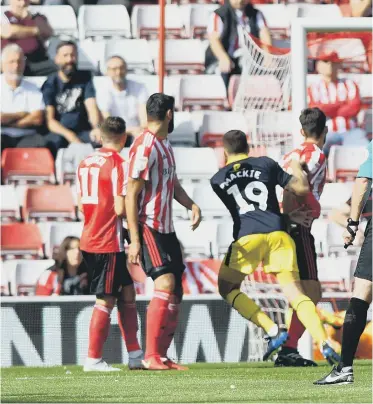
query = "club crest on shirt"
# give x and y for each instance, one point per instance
(236, 167)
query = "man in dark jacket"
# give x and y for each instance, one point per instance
(224, 39)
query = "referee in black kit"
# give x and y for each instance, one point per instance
(356, 315)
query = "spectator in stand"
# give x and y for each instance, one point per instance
(29, 31)
(70, 99)
(124, 98)
(340, 101)
(223, 26)
(22, 107)
(69, 275)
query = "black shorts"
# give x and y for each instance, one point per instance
(364, 264)
(161, 253)
(306, 252)
(108, 273)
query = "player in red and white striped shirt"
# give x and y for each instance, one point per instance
(152, 185)
(314, 130)
(340, 101)
(101, 193)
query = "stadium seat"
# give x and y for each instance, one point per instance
(196, 17)
(182, 56)
(61, 18)
(183, 133)
(335, 194)
(199, 243)
(334, 238)
(136, 53)
(344, 162)
(209, 202)
(68, 160)
(319, 231)
(225, 237)
(145, 21)
(104, 21)
(325, 11)
(10, 210)
(59, 231)
(38, 81)
(195, 164)
(178, 210)
(24, 276)
(202, 92)
(21, 240)
(277, 18)
(215, 124)
(49, 202)
(23, 166)
(336, 272)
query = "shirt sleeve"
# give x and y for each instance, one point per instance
(4, 19)
(365, 170)
(77, 183)
(104, 100)
(49, 93)
(282, 177)
(260, 20)
(36, 102)
(122, 179)
(143, 95)
(215, 24)
(89, 90)
(141, 161)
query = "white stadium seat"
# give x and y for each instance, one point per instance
(344, 162)
(59, 231)
(37, 80)
(277, 17)
(336, 271)
(324, 11)
(196, 17)
(24, 276)
(335, 194)
(183, 133)
(201, 242)
(178, 210)
(319, 231)
(209, 202)
(181, 56)
(202, 92)
(195, 164)
(145, 21)
(104, 21)
(136, 53)
(10, 209)
(61, 18)
(225, 236)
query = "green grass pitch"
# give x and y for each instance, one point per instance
(203, 383)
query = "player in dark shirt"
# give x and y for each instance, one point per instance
(247, 188)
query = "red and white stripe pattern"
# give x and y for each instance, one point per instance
(199, 278)
(330, 97)
(152, 159)
(316, 163)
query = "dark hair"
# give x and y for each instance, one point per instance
(113, 128)
(157, 106)
(66, 43)
(61, 256)
(313, 122)
(235, 142)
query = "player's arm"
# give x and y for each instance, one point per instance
(182, 197)
(298, 183)
(134, 187)
(120, 205)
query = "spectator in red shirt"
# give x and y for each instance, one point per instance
(29, 31)
(340, 101)
(69, 274)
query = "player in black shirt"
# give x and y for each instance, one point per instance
(246, 185)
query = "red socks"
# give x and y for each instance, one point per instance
(156, 322)
(98, 331)
(296, 330)
(173, 315)
(127, 320)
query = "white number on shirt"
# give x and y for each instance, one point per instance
(89, 176)
(260, 198)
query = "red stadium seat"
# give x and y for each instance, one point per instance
(21, 240)
(27, 166)
(49, 202)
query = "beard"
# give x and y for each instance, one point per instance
(68, 69)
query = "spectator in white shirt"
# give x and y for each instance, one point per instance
(124, 98)
(22, 106)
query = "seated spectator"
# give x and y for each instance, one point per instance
(340, 101)
(223, 35)
(69, 96)
(22, 106)
(29, 31)
(124, 98)
(68, 276)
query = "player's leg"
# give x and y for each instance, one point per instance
(282, 261)
(127, 315)
(356, 316)
(102, 269)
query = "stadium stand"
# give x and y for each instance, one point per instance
(344, 162)
(58, 232)
(195, 17)
(10, 209)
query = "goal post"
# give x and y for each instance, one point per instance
(299, 29)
